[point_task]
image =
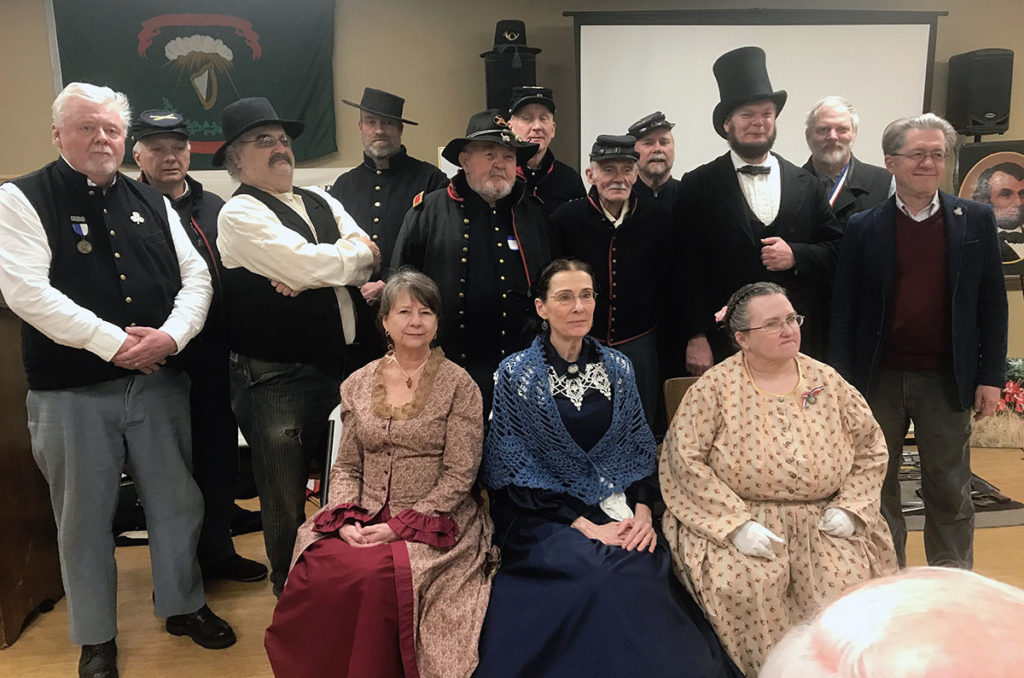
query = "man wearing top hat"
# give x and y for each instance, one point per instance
(483, 240)
(626, 241)
(657, 149)
(162, 153)
(751, 215)
(531, 115)
(101, 271)
(289, 254)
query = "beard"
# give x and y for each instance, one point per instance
(380, 149)
(1011, 223)
(750, 150)
(657, 166)
(493, 188)
(834, 155)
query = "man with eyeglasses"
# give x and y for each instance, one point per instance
(919, 323)
(750, 215)
(293, 261)
(626, 242)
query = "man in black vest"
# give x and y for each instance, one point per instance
(657, 149)
(101, 271)
(751, 215)
(531, 115)
(293, 261)
(377, 194)
(162, 153)
(483, 240)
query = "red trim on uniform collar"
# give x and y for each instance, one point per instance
(452, 193)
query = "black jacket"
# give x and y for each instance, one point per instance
(866, 186)
(554, 182)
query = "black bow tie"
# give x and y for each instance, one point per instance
(1010, 236)
(754, 169)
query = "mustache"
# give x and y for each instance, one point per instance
(279, 156)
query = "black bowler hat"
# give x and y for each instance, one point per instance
(240, 116)
(158, 122)
(489, 126)
(509, 35)
(381, 103)
(648, 124)
(610, 147)
(530, 94)
(742, 77)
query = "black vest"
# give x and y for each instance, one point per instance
(128, 276)
(264, 324)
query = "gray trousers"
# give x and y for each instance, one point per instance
(942, 429)
(82, 438)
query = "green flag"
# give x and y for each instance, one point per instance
(197, 56)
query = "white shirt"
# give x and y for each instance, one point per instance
(927, 212)
(25, 283)
(250, 236)
(762, 191)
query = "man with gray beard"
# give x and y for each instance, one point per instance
(483, 240)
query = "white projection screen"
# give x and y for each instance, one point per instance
(632, 63)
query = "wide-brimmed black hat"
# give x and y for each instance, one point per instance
(611, 147)
(509, 35)
(649, 123)
(489, 126)
(158, 122)
(742, 77)
(530, 94)
(381, 103)
(240, 116)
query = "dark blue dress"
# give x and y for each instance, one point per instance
(563, 605)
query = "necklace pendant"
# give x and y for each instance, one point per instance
(408, 382)
(573, 369)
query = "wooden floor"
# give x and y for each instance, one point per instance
(147, 651)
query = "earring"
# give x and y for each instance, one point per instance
(391, 343)
(544, 325)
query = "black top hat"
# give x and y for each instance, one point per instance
(530, 94)
(608, 147)
(510, 34)
(649, 123)
(240, 116)
(158, 122)
(489, 126)
(381, 103)
(742, 77)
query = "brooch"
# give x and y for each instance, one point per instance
(958, 211)
(810, 396)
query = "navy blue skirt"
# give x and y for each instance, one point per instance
(563, 605)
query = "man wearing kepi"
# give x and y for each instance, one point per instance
(100, 270)
(531, 115)
(483, 240)
(626, 241)
(289, 254)
(162, 153)
(919, 327)
(657, 149)
(750, 215)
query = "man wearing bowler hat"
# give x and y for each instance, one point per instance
(657, 149)
(290, 255)
(162, 153)
(750, 215)
(531, 115)
(483, 240)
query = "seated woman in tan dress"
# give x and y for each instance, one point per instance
(393, 577)
(771, 473)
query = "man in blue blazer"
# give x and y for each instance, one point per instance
(919, 326)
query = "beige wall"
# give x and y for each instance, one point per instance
(427, 52)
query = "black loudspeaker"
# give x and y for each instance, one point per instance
(978, 99)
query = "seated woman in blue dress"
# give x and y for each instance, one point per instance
(585, 587)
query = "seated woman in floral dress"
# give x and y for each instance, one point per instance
(585, 587)
(392, 578)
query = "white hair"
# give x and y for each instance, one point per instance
(95, 94)
(832, 101)
(926, 622)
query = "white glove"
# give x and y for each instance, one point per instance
(837, 522)
(754, 539)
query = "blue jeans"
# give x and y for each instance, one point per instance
(282, 410)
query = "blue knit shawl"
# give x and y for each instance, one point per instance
(529, 446)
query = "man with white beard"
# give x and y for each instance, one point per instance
(853, 186)
(483, 240)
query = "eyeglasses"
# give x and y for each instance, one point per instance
(917, 157)
(569, 299)
(268, 140)
(775, 326)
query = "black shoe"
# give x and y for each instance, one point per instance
(204, 627)
(237, 568)
(98, 661)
